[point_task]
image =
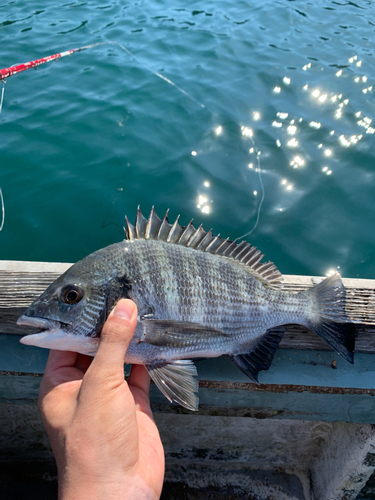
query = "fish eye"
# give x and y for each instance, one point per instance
(71, 294)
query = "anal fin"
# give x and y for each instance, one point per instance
(175, 380)
(260, 355)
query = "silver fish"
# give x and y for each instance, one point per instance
(198, 296)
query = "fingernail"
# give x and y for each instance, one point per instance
(124, 309)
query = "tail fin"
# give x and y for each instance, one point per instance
(329, 319)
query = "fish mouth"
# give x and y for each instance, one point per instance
(52, 336)
(47, 327)
(42, 323)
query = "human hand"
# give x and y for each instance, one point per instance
(101, 429)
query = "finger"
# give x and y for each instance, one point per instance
(83, 362)
(139, 385)
(140, 379)
(60, 359)
(115, 338)
(60, 368)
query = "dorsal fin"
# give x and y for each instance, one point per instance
(243, 253)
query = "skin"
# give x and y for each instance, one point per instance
(101, 429)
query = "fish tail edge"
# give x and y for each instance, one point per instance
(329, 319)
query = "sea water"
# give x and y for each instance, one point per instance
(268, 126)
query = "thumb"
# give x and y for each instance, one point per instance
(115, 338)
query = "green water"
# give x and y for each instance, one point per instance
(86, 139)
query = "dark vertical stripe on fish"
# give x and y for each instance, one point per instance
(181, 278)
(208, 292)
(155, 273)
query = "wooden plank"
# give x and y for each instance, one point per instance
(244, 400)
(22, 282)
(300, 385)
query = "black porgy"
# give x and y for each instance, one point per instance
(197, 296)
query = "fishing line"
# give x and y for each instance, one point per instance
(158, 74)
(263, 194)
(2, 96)
(2, 210)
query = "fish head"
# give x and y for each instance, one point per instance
(72, 310)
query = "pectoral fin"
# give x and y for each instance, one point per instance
(260, 355)
(175, 380)
(170, 333)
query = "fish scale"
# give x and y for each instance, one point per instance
(197, 295)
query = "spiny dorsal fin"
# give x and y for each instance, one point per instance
(244, 253)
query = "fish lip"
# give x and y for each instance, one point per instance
(38, 322)
(60, 340)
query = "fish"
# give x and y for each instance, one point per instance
(198, 296)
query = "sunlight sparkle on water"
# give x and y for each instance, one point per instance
(353, 139)
(203, 204)
(246, 131)
(331, 272)
(365, 123)
(297, 162)
(293, 143)
(343, 141)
